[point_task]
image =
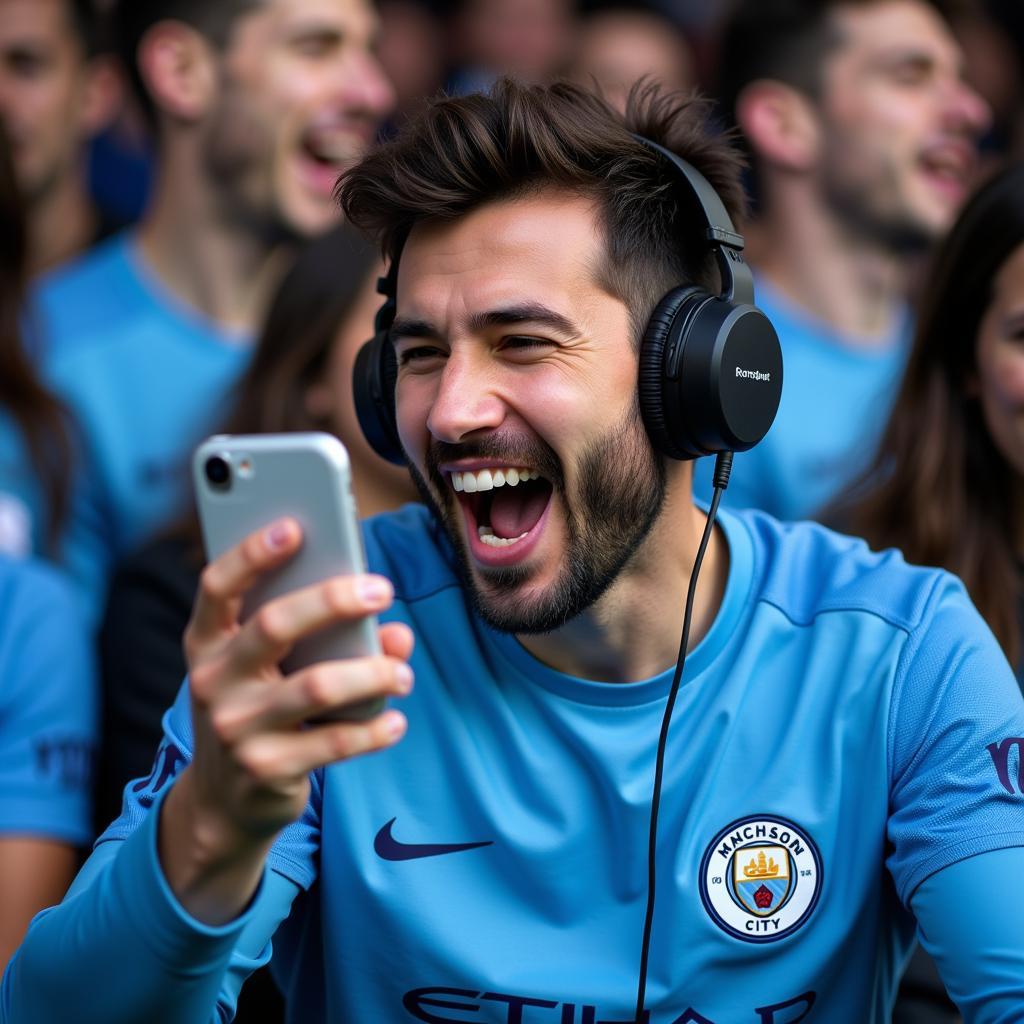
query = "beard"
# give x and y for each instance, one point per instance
(621, 492)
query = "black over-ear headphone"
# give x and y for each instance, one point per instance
(710, 376)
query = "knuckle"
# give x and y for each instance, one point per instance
(345, 740)
(212, 584)
(257, 762)
(318, 687)
(336, 596)
(269, 625)
(203, 683)
(223, 724)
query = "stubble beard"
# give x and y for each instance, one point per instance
(621, 492)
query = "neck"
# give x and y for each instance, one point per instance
(853, 284)
(217, 264)
(633, 631)
(62, 223)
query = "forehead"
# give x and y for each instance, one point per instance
(35, 21)
(547, 246)
(868, 31)
(271, 19)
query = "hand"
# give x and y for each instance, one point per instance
(249, 776)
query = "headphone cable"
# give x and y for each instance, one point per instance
(723, 467)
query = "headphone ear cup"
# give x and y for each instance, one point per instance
(373, 390)
(664, 335)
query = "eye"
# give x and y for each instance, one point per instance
(420, 358)
(525, 346)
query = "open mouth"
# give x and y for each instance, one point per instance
(503, 505)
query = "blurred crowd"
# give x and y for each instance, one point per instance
(173, 264)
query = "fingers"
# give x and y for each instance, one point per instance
(274, 756)
(272, 631)
(226, 579)
(308, 694)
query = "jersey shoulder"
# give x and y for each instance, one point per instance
(410, 548)
(806, 570)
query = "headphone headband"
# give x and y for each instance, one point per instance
(724, 241)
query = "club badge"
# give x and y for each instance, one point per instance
(760, 878)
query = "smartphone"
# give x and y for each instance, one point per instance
(243, 482)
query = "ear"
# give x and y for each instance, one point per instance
(102, 95)
(179, 67)
(780, 123)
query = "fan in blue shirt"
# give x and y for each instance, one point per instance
(842, 767)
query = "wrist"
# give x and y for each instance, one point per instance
(213, 867)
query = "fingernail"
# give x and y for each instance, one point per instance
(374, 590)
(395, 724)
(403, 676)
(278, 536)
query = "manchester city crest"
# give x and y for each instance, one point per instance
(760, 878)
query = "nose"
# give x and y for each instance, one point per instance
(967, 110)
(467, 403)
(364, 86)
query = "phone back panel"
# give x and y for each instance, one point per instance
(305, 476)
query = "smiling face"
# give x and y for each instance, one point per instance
(1000, 362)
(301, 98)
(899, 125)
(517, 406)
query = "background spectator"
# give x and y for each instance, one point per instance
(618, 44)
(57, 91)
(35, 443)
(257, 108)
(862, 135)
(947, 484)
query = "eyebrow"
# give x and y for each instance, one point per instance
(528, 312)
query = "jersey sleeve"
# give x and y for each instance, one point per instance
(48, 708)
(956, 732)
(979, 947)
(120, 948)
(294, 854)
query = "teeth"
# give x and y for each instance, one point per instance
(487, 535)
(486, 479)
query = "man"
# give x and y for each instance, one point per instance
(844, 738)
(56, 92)
(862, 138)
(257, 105)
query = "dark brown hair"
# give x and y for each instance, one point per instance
(311, 303)
(939, 489)
(309, 307)
(462, 153)
(41, 418)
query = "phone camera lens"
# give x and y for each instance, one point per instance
(218, 472)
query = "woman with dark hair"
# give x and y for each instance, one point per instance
(35, 446)
(300, 378)
(947, 484)
(47, 685)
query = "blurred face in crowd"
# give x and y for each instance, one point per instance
(517, 407)
(617, 48)
(1000, 362)
(300, 98)
(50, 101)
(899, 125)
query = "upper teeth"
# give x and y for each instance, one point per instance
(488, 479)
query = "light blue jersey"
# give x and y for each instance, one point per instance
(23, 514)
(147, 379)
(847, 733)
(836, 399)
(48, 706)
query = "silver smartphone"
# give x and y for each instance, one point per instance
(244, 482)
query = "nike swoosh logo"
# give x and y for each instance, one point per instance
(388, 848)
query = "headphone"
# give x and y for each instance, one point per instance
(710, 373)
